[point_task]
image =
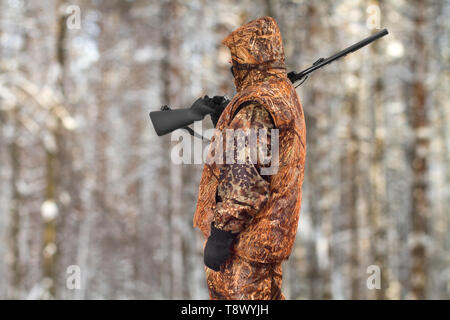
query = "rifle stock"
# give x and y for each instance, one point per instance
(166, 121)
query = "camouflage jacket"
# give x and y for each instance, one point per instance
(242, 191)
(267, 231)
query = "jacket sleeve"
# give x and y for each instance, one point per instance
(242, 191)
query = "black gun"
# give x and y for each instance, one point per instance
(167, 120)
(294, 76)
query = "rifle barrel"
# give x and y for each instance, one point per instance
(341, 54)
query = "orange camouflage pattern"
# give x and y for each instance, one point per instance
(240, 279)
(242, 191)
(254, 269)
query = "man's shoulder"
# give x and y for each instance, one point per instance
(254, 113)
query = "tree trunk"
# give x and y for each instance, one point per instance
(14, 222)
(378, 209)
(172, 92)
(318, 169)
(419, 164)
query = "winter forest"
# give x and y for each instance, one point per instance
(88, 189)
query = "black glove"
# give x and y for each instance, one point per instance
(218, 103)
(217, 249)
(200, 108)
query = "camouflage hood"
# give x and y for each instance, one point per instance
(257, 52)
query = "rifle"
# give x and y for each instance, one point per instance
(168, 120)
(294, 76)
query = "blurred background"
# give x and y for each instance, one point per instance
(88, 190)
